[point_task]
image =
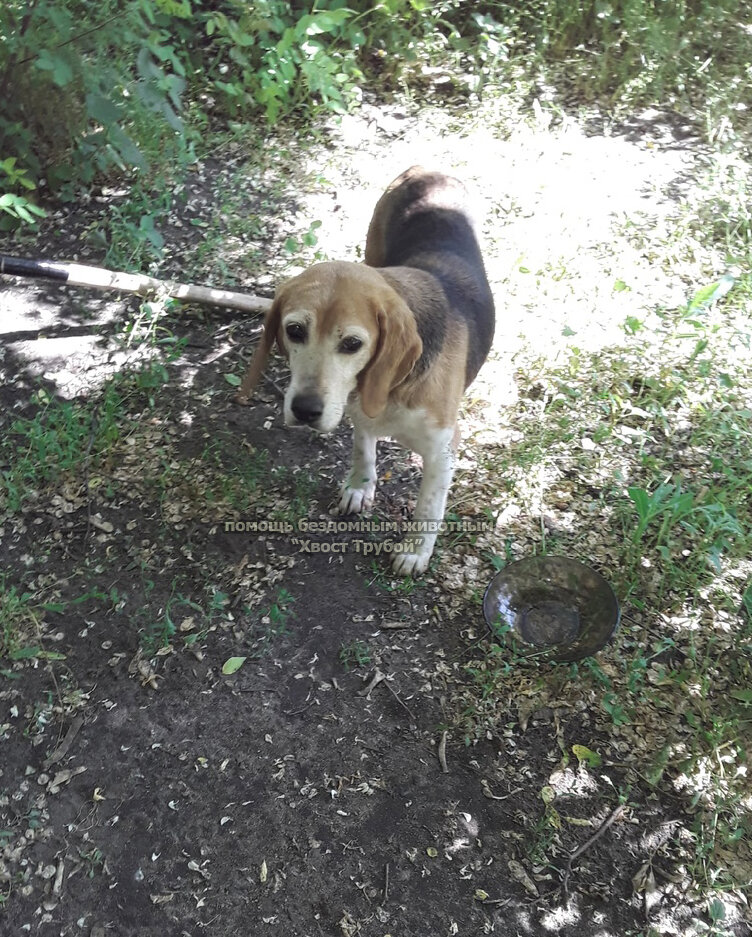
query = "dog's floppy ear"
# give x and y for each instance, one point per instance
(261, 354)
(398, 348)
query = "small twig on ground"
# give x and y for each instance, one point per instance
(402, 703)
(87, 458)
(386, 884)
(467, 650)
(608, 822)
(375, 680)
(62, 750)
(58, 884)
(297, 712)
(487, 792)
(442, 752)
(275, 385)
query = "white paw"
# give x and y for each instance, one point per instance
(355, 500)
(411, 564)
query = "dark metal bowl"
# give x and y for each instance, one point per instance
(551, 607)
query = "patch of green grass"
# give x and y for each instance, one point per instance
(160, 630)
(636, 51)
(280, 612)
(231, 248)
(181, 617)
(93, 860)
(355, 654)
(273, 622)
(63, 436)
(689, 530)
(661, 498)
(218, 478)
(56, 441)
(23, 615)
(149, 328)
(300, 487)
(222, 479)
(544, 833)
(383, 578)
(18, 619)
(130, 231)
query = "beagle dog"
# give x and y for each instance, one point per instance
(393, 343)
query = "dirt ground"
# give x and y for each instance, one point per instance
(145, 792)
(283, 796)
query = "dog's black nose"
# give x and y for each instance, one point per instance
(307, 407)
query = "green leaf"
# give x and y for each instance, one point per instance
(641, 500)
(147, 230)
(102, 110)
(25, 653)
(702, 297)
(584, 754)
(62, 73)
(744, 696)
(717, 910)
(19, 207)
(231, 90)
(632, 325)
(232, 665)
(232, 379)
(126, 149)
(710, 294)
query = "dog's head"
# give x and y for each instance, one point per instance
(344, 329)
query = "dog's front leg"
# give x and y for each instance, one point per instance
(438, 468)
(360, 486)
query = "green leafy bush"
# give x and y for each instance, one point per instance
(16, 207)
(88, 88)
(132, 85)
(270, 56)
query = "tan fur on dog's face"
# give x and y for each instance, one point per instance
(343, 328)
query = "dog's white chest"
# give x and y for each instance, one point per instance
(414, 428)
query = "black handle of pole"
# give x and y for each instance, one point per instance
(22, 267)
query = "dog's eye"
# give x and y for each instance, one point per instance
(350, 345)
(296, 333)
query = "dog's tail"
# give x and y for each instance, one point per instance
(260, 355)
